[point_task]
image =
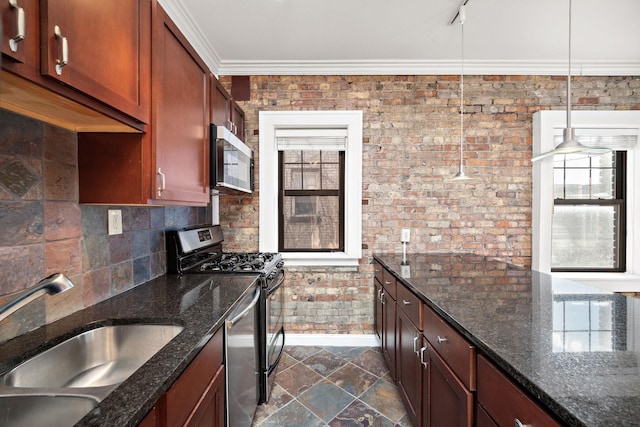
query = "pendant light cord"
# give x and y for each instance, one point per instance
(462, 16)
(569, 75)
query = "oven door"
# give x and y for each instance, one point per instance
(274, 333)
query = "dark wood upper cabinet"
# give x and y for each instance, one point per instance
(225, 111)
(220, 104)
(181, 115)
(168, 165)
(100, 48)
(20, 33)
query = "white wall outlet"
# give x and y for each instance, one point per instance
(405, 234)
(115, 221)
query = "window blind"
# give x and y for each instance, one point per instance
(311, 139)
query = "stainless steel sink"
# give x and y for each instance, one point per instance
(43, 410)
(101, 357)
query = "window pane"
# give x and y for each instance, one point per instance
(601, 341)
(583, 236)
(330, 176)
(576, 341)
(584, 177)
(311, 222)
(576, 315)
(602, 315)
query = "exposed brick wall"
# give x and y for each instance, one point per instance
(411, 144)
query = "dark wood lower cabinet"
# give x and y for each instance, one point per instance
(197, 398)
(389, 332)
(209, 412)
(450, 404)
(408, 370)
(505, 402)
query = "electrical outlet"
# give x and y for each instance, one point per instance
(115, 221)
(405, 234)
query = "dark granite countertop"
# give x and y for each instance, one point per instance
(574, 347)
(199, 302)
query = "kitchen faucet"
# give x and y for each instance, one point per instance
(53, 284)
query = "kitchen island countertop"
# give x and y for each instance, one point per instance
(199, 302)
(575, 348)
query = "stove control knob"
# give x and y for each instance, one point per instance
(280, 264)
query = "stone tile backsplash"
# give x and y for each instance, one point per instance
(45, 230)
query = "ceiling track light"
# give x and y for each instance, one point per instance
(569, 144)
(461, 176)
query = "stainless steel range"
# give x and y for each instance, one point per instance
(199, 251)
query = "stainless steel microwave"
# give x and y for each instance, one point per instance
(231, 164)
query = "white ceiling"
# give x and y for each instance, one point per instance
(252, 37)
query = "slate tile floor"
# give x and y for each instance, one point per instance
(335, 387)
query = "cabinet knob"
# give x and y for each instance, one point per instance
(441, 339)
(20, 26)
(405, 302)
(64, 50)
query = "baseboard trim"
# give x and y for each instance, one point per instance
(335, 340)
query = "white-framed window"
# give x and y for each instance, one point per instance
(622, 127)
(310, 132)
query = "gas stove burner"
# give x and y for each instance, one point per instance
(247, 262)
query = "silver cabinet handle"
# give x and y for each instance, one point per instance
(163, 182)
(386, 282)
(441, 340)
(415, 344)
(422, 361)
(518, 423)
(405, 302)
(64, 50)
(380, 294)
(382, 297)
(20, 26)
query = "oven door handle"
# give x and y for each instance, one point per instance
(272, 367)
(231, 322)
(278, 283)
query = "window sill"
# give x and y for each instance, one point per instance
(612, 282)
(337, 259)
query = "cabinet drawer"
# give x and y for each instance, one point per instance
(186, 392)
(454, 349)
(378, 272)
(410, 305)
(389, 283)
(505, 402)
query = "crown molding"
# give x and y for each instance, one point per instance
(406, 67)
(183, 19)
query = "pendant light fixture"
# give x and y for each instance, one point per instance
(569, 144)
(461, 176)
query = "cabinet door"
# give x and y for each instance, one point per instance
(20, 32)
(210, 409)
(101, 48)
(220, 104)
(450, 404)
(151, 420)
(408, 369)
(180, 118)
(389, 332)
(377, 309)
(237, 118)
